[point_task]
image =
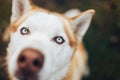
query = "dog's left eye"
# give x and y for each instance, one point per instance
(59, 40)
(24, 31)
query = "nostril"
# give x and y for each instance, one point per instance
(37, 63)
(32, 59)
(22, 58)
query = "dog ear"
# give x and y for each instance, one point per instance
(72, 12)
(81, 23)
(19, 7)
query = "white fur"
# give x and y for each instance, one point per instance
(72, 13)
(83, 19)
(19, 8)
(43, 28)
(81, 24)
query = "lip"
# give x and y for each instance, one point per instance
(25, 76)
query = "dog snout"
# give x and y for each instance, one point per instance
(30, 61)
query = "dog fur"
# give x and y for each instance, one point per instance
(62, 62)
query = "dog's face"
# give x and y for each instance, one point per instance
(42, 43)
(46, 34)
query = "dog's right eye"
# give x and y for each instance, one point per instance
(24, 31)
(59, 39)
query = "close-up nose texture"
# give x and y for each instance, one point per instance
(30, 60)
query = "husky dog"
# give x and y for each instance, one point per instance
(46, 45)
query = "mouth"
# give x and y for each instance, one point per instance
(26, 76)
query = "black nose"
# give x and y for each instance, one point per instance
(30, 62)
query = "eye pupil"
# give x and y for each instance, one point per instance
(59, 40)
(25, 31)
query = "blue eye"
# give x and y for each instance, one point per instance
(24, 31)
(59, 40)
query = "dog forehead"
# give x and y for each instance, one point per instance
(42, 20)
(47, 23)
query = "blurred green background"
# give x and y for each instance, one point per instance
(102, 40)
